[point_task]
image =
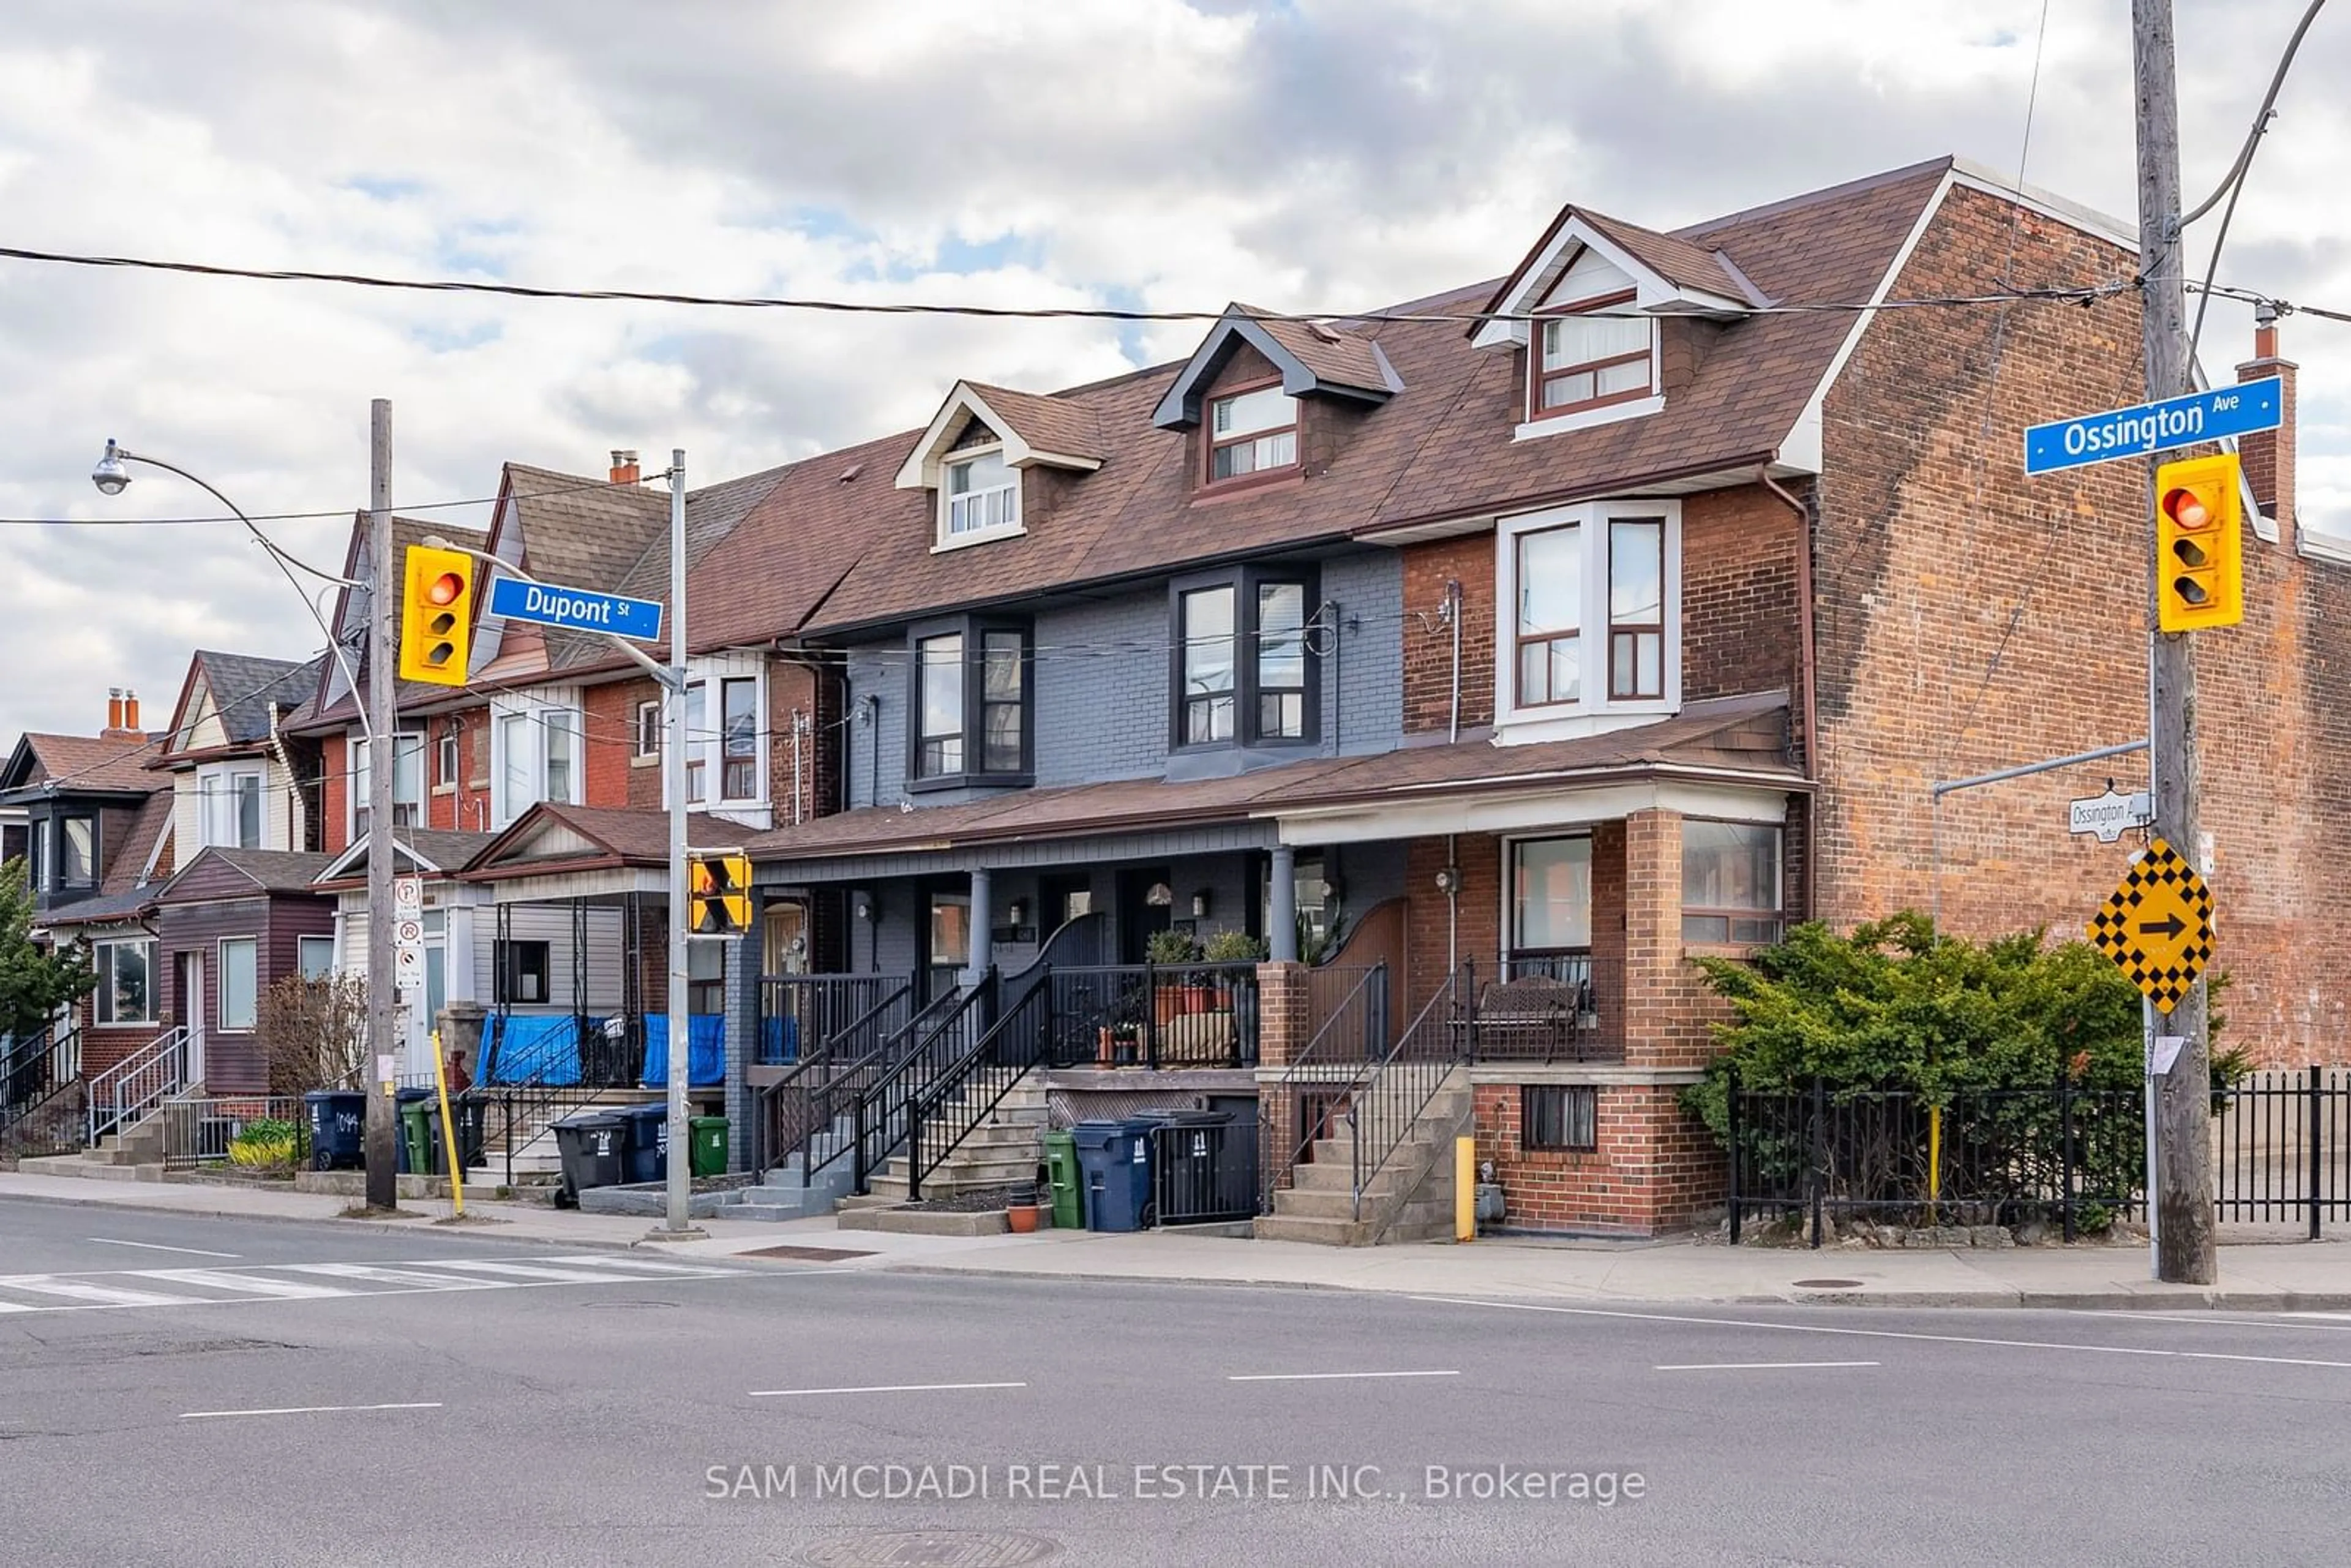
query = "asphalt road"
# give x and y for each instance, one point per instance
(278, 1394)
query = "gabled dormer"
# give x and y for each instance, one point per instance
(979, 449)
(1252, 384)
(1590, 307)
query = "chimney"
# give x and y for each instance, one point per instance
(2268, 454)
(624, 468)
(130, 711)
(113, 710)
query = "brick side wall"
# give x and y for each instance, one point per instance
(1656, 1167)
(1935, 558)
(612, 776)
(1428, 644)
(335, 793)
(793, 689)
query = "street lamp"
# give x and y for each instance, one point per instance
(110, 475)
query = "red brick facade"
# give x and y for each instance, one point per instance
(1655, 1166)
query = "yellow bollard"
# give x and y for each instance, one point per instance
(1465, 1189)
(455, 1156)
(1933, 1160)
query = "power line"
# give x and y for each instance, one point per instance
(929, 308)
(344, 513)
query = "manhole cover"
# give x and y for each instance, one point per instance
(806, 1254)
(931, 1549)
(1827, 1285)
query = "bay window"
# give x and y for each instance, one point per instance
(537, 754)
(1241, 666)
(126, 982)
(1730, 882)
(407, 781)
(1253, 432)
(981, 498)
(697, 770)
(1593, 598)
(971, 718)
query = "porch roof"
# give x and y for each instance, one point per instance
(558, 840)
(1742, 739)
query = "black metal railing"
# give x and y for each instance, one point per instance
(1151, 1015)
(1545, 1007)
(264, 1133)
(962, 1098)
(886, 1107)
(793, 1115)
(806, 1015)
(1318, 1083)
(2282, 1148)
(34, 1069)
(1203, 1170)
(1386, 1106)
(2071, 1157)
(517, 1119)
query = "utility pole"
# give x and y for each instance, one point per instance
(677, 1224)
(2181, 1201)
(382, 999)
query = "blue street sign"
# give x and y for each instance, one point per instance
(576, 609)
(2152, 427)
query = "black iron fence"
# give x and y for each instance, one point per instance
(844, 1015)
(1349, 1038)
(1386, 1103)
(1151, 1015)
(264, 1133)
(2072, 1158)
(1205, 1169)
(34, 1068)
(1543, 1006)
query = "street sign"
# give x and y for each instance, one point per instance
(2110, 815)
(2158, 925)
(407, 932)
(408, 967)
(576, 609)
(408, 896)
(2118, 432)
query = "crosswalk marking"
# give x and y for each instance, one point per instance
(97, 1288)
(97, 1295)
(243, 1284)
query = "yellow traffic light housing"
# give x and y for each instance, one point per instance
(2199, 544)
(718, 895)
(436, 616)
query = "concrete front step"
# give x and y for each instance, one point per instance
(90, 1169)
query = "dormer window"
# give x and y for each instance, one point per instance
(1591, 355)
(981, 496)
(1252, 433)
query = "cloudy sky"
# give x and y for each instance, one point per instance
(1312, 154)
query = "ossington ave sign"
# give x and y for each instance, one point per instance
(2152, 427)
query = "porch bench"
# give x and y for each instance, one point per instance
(1534, 1016)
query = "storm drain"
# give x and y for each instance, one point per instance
(931, 1549)
(1826, 1285)
(806, 1254)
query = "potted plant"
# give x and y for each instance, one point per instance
(1022, 1218)
(1230, 947)
(1170, 949)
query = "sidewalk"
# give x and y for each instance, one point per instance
(2258, 1276)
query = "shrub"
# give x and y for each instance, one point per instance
(1234, 947)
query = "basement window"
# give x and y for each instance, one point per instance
(1559, 1117)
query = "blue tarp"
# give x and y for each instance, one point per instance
(779, 1041)
(705, 1057)
(519, 1049)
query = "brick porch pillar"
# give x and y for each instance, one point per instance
(1283, 1015)
(1655, 970)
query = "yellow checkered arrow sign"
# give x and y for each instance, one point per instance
(2158, 925)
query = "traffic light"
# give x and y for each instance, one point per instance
(436, 616)
(718, 895)
(2198, 553)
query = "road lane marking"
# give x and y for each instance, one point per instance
(159, 1247)
(99, 1295)
(304, 1410)
(1758, 1365)
(880, 1388)
(409, 1278)
(1877, 1334)
(247, 1284)
(1325, 1376)
(646, 1265)
(533, 1271)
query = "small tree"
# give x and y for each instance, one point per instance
(313, 1033)
(35, 983)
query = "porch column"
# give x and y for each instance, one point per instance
(980, 918)
(1282, 939)
(743, 961)
(1665, 1008)
(457, 950)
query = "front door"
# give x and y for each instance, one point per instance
(191, 990)
(1145, 908)
(946, 938)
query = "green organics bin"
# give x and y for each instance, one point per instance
(418, 1145)
(1068, 1184)
(706, 1137)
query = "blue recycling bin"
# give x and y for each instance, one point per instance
(646, 1145)
(1115, 1157)
(338, 1128)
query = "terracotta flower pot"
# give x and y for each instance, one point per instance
(1021, 1217)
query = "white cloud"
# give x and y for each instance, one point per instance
(1323, 152)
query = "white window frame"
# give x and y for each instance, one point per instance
(102, 959)
(220, 985)
(355, 767)
(705, 746)
(304, 946)
(652, 731)
(1009, 527)
(1593, 712)
(218, 807)
(1593, 277)
(717, 743)
(533, 718)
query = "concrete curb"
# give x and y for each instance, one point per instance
(495, 1231)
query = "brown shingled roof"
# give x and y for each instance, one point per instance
(97, 762)
(1680, 262)
(1064, 428)
(1335, 356)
